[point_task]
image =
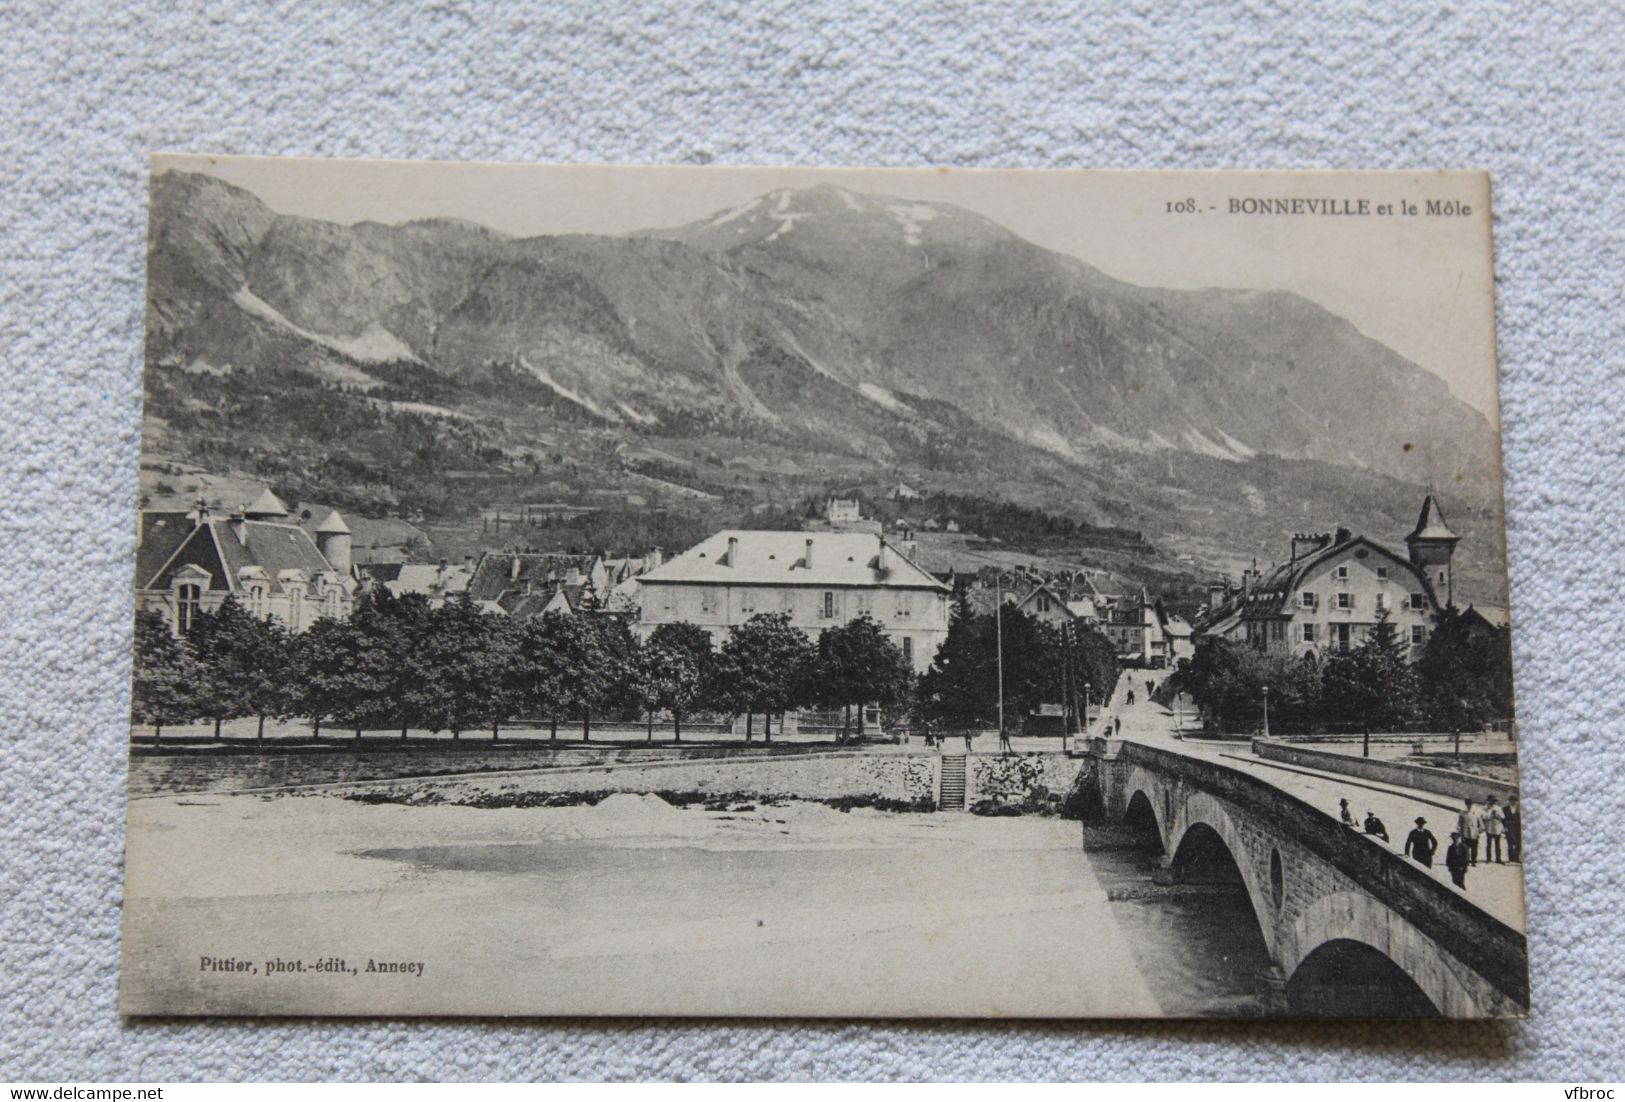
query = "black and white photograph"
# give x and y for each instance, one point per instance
(815, 592)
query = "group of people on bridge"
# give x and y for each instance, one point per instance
(1492, 823)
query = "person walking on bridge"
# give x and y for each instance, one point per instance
(1455, 859)
(1512, 820)
(1345, 814)
(1375, 826)
(1421, 843)
(1494, 824)
(1471, 824)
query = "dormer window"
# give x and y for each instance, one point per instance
(1308, 600)
(258, 606)
(1343, 573)
(1418, 601)
(1382, 573)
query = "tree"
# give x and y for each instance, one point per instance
(1465, 673)
(856, 664)
(958, 692)
(228, 643)
(681, 660)
(463, 652)
(340, 674)
(1373, 685)
(605, 680)
(166, 677)
(550, 655)
(766, 658)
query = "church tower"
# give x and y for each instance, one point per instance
(1432, 544)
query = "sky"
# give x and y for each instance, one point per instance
(1421, 284)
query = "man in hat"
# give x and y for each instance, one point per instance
(1471, 824)
(1375, 826)
(1494, 823)
(1345, 814)
(1455, 859)
(1512, 819)
(1421, 844)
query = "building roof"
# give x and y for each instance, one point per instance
(333, 525)
(1430, 523)
(1272, 595)
(265, 506)
(226, 548)
(1493, 615)
(847, 559)
(500, 571)
(161, 535)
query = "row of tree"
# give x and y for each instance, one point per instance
(1462, 680)
(400, 664)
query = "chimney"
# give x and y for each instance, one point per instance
(239, 528)
(808, 559)
(882, 561)
(513, 571)
(910, 548)
(733, 550)
(657, 556)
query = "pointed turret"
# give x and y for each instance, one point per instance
(333, 541)
(1432, 545)
(266, 507)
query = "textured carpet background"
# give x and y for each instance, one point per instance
(89, 90)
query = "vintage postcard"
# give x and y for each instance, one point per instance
(833, 592)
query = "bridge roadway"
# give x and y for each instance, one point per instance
(1496, 889)
(1466, 950)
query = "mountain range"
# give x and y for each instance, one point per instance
(826, 333)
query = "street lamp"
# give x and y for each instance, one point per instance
(1266, 711)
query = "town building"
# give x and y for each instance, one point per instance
(1334, 589)
(818, 579)
(192, 562)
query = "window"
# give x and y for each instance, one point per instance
(1418, 635)
(1278, 630)
(1382, 601)
(1343, 573)
(187, 599)
(1441, 577)
(257, 601)
(1382, 572)
(1418, 601)
(1308, 600)
(1345, 600)
(902, 605)
(829, 606)
(1309, 633)
(330, 601)
(908, 650)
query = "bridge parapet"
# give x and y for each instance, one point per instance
(1312, 881)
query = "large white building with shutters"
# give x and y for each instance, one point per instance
(819, 579)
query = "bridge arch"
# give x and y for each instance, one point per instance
(1350, 927)
(1199, 810)
(1141, 815)
(1344, 978)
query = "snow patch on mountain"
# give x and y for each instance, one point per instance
(638, 416)
(374, 345)
(1050, 441)
(1203, 446)
(1236, 445)
(546, 379)
(913, 216)
(880, 396)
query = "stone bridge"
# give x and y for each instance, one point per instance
(1352, 928)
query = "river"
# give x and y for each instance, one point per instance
(633, 907)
